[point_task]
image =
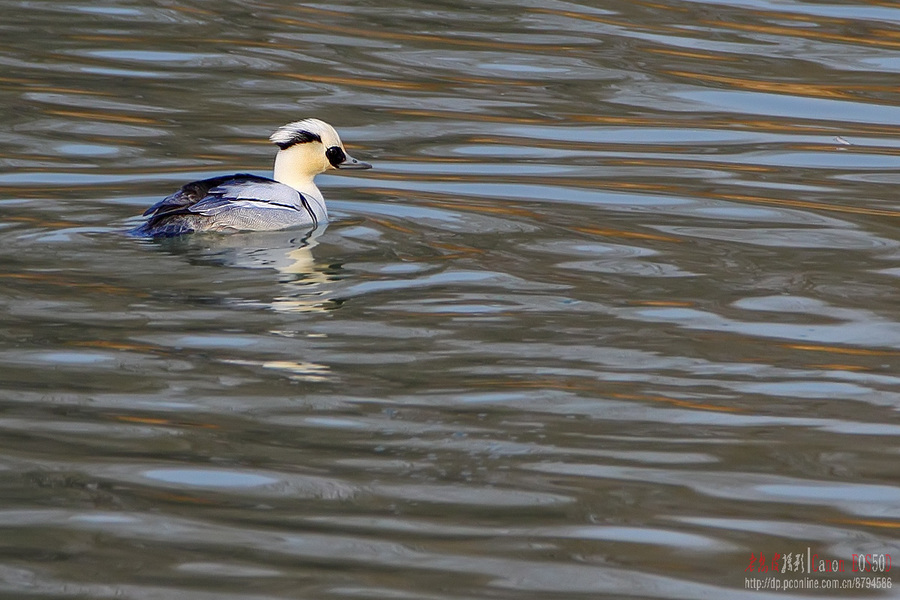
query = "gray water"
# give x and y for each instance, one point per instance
(614, 314)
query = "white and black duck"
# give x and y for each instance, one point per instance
(244, 202)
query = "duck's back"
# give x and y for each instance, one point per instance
(241, 202)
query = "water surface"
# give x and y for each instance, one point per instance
(614, 314)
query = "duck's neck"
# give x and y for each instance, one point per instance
(297, 166)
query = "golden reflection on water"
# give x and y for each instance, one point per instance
(875, 38)
(101, 116)
(842, 350)
(694, 54)
(674, 189)
(608, 20)
(626, 234)
(842, 91)
(70, 281)
(743, 122)
(840, 367)
(494, 208)
(879, 523)
(38, 221)
(426, 38)
(807, 204)
(685, 163)
(673, 303)
(807, 125)
(388, 224)
(457, 250)
(386, 84)
(54, 89)
(477, 117)
(113, 345)
(164, 422)
(679, 402)
(379, 84)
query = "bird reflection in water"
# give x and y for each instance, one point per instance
(304, 284)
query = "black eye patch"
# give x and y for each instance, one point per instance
(335, 155)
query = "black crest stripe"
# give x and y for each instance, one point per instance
(299, 137)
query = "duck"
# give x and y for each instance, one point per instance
(245, 202)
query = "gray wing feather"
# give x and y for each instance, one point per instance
(272, 192)
(212, 196)
(241, 201)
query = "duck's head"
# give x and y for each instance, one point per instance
(307, 148)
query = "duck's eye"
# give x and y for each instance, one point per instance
(335, 155)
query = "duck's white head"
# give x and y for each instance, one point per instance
(307, 148)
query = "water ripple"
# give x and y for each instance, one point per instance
(613, 314)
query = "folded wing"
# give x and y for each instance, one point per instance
(184, 210)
